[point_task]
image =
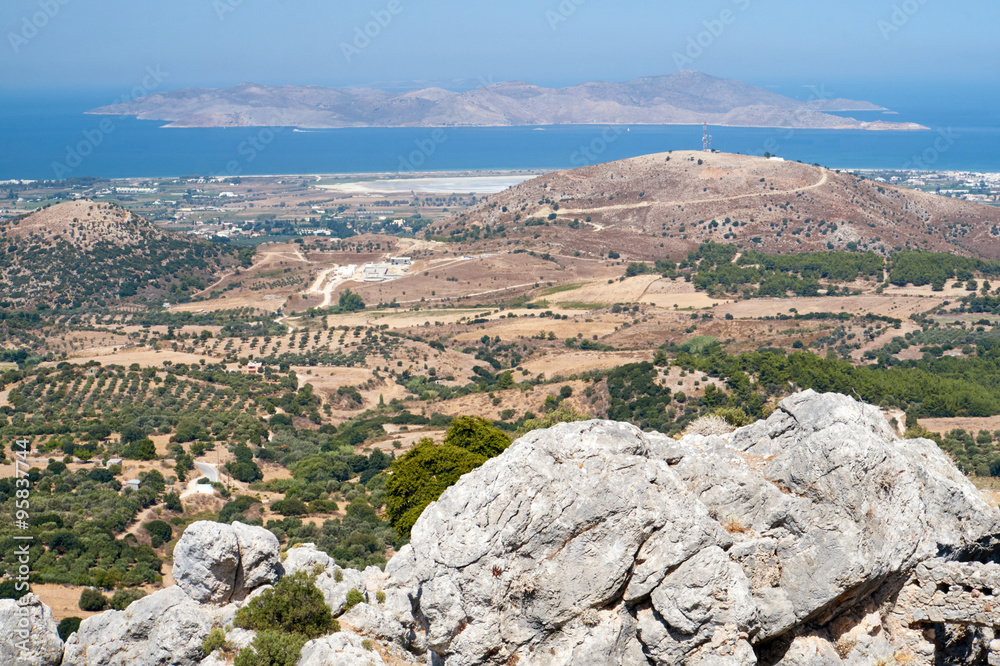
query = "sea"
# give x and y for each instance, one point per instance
(49, 136)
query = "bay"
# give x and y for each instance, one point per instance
(47, 135)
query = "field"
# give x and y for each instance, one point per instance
(297, 382)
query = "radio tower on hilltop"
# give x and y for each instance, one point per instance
(706, 139)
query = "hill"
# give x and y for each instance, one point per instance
(683, 98)
(669, 203)
(84, 252)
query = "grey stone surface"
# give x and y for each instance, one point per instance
(166, 628)
(218, 563)
(691, 552)
(28, 634)
(340, 649)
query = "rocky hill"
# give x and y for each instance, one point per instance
(816, 536)
(683, 98)
(670, 203)
(82, 252)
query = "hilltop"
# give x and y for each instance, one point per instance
(683, 98)
(669, 203)
(82, 252)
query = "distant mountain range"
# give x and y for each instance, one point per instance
(684, 98)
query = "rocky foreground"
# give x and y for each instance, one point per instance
(814, 537)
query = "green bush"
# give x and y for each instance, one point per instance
(68, 626)
(159, 532)
(295, 604)
(354, 597)
(216, 639)
(122, 598)
(422, 474)
(8, 590)
(92, 601)
(272, 648)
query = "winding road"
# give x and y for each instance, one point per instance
(204, 470)
(649, 204)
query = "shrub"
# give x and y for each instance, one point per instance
(159, 532)
(709, 425)
(295, 604)
(68, 626)
(8, 590)
(93, 601)
(354, 597)
(122, 598)
(272, 648)
(172, 501)
(215, 640)
(380, 597)
(290, 507)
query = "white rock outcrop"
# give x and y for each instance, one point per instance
(166, 628)
(28, 634)
(597, 543)
(218, 563)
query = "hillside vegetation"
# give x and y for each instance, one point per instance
(82, 252)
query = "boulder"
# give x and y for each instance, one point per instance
(218, 563)
(28, 634)
(340, 649)
(258, 554)
(596, 538)
(166, 628)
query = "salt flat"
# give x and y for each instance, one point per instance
(432, 185)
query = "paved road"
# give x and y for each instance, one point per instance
(209, 470)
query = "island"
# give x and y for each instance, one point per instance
(683, 98)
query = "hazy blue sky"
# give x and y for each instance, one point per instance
(109, 44)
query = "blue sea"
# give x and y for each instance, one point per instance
(49, 136)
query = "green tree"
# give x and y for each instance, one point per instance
(68, 626)
(160, 532)
(420, 476)
(123, 598)
(477, 435)
(92, 601)
(351, 302)
(144, 449)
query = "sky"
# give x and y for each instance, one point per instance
(401, 44)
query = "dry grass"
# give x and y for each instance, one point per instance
(734, 525)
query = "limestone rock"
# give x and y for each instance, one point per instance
(218, 563)
(28, 634)
(701, 551)
(341, 649)
(259, 563)
(166, 628)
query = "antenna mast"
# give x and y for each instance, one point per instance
(706, 139)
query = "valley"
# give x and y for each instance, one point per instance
(657, 291)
